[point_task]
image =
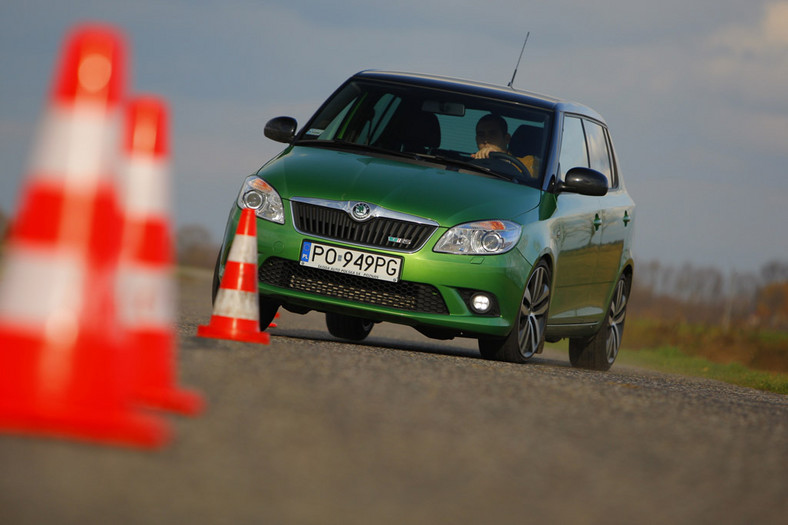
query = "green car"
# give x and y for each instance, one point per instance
(459, 208)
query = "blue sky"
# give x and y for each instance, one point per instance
(695, 93)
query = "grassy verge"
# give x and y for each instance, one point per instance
(673, 360)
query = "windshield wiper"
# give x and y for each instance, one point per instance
(459, 163)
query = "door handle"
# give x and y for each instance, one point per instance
(627, 218)
(597, 222)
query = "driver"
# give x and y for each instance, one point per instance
(492, 135)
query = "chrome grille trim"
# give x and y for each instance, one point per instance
(333, 220)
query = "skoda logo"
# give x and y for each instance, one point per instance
(361, 211)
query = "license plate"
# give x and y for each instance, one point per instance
(351, 262)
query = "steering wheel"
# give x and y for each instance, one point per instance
(511, 160)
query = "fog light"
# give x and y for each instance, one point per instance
(253, 199)
(481, 303)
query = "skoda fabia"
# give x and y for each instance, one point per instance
(458, 208)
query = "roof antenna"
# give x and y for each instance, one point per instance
(518, 60)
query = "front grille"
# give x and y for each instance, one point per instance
(380, 232)
(402, 295)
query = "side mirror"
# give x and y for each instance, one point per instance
(281, 129)
(584, 181)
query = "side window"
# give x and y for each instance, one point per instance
(597, 150)
(573, 146)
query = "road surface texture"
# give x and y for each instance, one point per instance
(404, 429)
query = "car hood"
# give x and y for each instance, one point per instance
(414, 187)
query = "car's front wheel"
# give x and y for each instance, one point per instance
(347, 327)
(268, 311)
(216, 282)
(599, 351)
(527, 335)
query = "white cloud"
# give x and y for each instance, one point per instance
(776, 24)
(740, 51)
(745, 68)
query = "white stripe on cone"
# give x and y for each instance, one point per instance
(243, 249)
(145, 188)
(41, 293)
(148, 297)
(236, 304)
(77, 145)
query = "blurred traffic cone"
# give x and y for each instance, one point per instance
(146, 291)
(62, 368)
(236, 311)
(272, 324)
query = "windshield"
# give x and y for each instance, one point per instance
(436, 126)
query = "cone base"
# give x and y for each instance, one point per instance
(235, 335)
(186, 402)
(92, 404)
(129, 429)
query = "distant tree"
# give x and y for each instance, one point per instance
(4, 223)
(194, 247)
(774, 271)
(698, 294)
(772, 304)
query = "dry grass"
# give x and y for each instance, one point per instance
(754, 348)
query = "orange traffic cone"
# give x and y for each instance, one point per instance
(63, 371)
(146, 291)
(236, 311)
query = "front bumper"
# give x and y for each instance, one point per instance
(433, 291)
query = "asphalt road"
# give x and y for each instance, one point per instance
(403, 429)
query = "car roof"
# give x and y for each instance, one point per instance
(482, 89)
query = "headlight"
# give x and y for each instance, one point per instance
(260, 196)
(479, 238)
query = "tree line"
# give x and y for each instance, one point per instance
(705, 294)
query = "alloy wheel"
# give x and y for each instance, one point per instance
(617, 315)
(533, 312)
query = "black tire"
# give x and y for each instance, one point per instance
(599, 351)
(267, 312)
(216, 282)
(527, 336)
(346, 327)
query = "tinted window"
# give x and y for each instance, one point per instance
(573, 146)
(597, 150)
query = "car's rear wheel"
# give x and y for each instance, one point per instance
(599, 351)
(347, 327)
(527, 335)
